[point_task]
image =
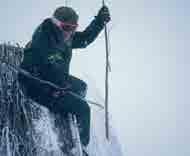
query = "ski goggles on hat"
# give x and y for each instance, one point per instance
(68, 26)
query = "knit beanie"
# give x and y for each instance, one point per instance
(66, 14)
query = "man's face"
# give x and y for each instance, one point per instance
(68, 29)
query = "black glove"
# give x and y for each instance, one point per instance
(61, 92)
(103, 15)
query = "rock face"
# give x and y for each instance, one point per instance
(26, 128)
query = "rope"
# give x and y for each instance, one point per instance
(29, 75)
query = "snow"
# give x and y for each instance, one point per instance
(99, 145)
(43, 130)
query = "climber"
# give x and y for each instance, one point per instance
(48, 55)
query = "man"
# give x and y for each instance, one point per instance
(48, 57)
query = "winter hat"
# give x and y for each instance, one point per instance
(66, 14)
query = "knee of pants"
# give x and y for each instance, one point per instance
(83, 85)
(85, 109)
(83, 89)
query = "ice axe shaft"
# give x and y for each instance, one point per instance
(106, 80)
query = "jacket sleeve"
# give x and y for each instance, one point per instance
(46, 35)
(40, 37)
(84, 38)
(43, 39)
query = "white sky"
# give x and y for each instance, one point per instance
(149, 83)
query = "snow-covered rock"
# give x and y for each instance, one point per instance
(28, 129)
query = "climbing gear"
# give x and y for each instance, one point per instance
(103, 15)
(107, 70)
(68, 26)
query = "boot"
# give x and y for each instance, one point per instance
(84, 150)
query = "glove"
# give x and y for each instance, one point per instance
(61, 92)
(103, 15)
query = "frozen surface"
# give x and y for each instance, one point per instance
(27, 129)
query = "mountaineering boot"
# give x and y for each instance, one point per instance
(84, 151)
(78, 107)
(67, 103)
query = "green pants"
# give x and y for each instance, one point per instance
(64, 104)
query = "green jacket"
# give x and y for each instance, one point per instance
(48, 46)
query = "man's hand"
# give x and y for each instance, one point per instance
(61, 92)
(104, 15)
(57, 94)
